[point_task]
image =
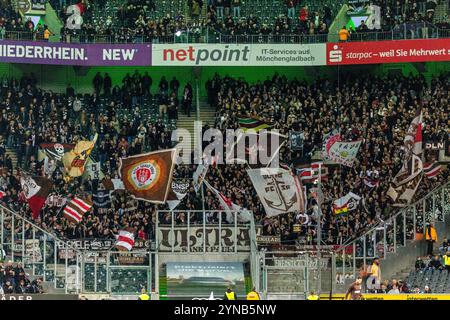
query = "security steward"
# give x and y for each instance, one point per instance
(431, 237)
(446, 257)
(144, 295)
(253, 295)
(230, 295)
(312, 296)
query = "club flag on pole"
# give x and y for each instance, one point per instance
(76, 208)
(256, 149)
(199, 175)
(125, 240)
(413, 138)
(278, 189)
(148, 176)
(229, 207)
(35, 190)
(406, 181)
(75, 160)
(177, 192)
(346, 203)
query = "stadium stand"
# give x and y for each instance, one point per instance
(128, 123)
(161, 21)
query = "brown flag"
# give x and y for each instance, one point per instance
(148, 176)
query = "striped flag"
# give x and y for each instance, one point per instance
(76, 208)
(311, 173)
(371, 183)
(432, 169)
(125, 240)
(251, 123)
(340, 210)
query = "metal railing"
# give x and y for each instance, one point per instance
(207, 35)
(405, 226)
(38, 251)
(65, 267)
(197, 231)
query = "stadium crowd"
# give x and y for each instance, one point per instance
(374, 109)
(381, 108)
(370, 108)
(132, 22)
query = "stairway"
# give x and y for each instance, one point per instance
(207, 114)
(11, 152)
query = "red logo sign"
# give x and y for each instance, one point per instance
(388, 51)
(143, 174)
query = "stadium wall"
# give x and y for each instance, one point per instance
(57, 78)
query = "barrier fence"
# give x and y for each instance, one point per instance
(207, 35)
(405, 226)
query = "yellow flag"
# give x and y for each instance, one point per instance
(75, 160)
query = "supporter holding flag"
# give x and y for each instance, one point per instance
(76, 209)
(35, 190)
(125, 240)
(75, 160)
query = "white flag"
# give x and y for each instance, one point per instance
(199, 176)
(279, 190)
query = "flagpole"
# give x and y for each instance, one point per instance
(319, 233)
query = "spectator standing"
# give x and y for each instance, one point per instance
(187, 99)
(107, 84)
(430, 237)
(374, 280)
(219, 7)
(290, 8)
(97, 82)
(344, 35)
(236, 8)
(446, 258)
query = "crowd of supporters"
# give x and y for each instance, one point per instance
(377, 110)
(135, 21)
(31, 115)
(374, 109)
(13, 279)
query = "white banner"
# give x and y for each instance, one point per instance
(351, 199)
(201, 240)
(199, 175)
(339, 151)
(197, 54)
(278, 190)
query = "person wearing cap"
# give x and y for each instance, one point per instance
(431, 237)
(253, 295)
(230, 295)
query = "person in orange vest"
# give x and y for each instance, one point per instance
(430, 237)
(253, 295)
(344, 34)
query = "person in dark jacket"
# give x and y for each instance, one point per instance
(107, 84)
(419, 265)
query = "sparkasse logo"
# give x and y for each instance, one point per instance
(207, 55)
